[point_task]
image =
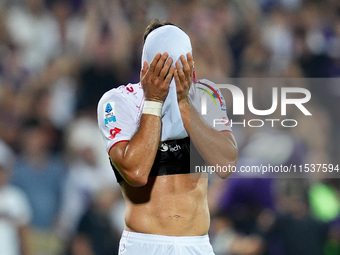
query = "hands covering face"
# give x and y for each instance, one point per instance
(156, 78)
(183, 77)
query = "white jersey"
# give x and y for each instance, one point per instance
(120, 109)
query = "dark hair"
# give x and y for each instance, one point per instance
(153, 25)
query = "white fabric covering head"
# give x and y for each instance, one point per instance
(168, 38)
(175, 42)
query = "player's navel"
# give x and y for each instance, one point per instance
(176, 217)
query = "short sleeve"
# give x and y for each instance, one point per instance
(116, 118)
(210, 103)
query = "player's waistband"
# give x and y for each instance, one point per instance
(151, 238)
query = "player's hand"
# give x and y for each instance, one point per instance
(156, 78)
(183, 77)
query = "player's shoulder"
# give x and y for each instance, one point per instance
(203, 86)
(208, 88)
(127, 94)
(205, 83)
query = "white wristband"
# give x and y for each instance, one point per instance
(153, 107)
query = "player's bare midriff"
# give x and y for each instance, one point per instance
(173, 205)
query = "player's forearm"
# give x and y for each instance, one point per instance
(214, 146)
(140, 152)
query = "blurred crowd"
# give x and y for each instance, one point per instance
(58, 195)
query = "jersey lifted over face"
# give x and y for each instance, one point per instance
(120, 110)
(119, 114)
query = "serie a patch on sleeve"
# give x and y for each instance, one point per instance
(109, 113)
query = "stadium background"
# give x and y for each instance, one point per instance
(57, 58)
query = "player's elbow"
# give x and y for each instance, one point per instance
(136, 183)
(233, 158)
(229, 170)
(225, 174)
(136, 178)
(230, 166)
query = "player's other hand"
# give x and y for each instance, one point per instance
(156, 78)
(183, 77)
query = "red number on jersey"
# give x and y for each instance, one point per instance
(130, 89)
(114, 132)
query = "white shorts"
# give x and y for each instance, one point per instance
(132, 243)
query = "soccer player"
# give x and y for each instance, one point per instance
(148, 128)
